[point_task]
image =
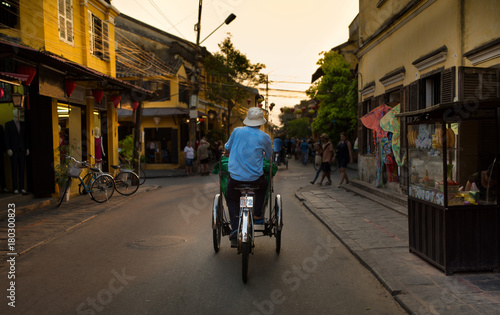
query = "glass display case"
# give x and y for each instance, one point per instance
(453, 166)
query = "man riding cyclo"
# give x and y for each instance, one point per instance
(247, 147)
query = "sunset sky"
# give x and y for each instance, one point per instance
(285, 35)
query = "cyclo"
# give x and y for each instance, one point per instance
(273, 214)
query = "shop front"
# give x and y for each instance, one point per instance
(453, 189)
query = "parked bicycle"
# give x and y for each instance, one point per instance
(142, 174)
(100, 186)
(126, 181)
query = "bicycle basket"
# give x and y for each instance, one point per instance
(74, 171)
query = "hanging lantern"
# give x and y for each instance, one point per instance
(286, 109)
(292, 110)
(135, 105)
(281, 109)
(98, 95)
(249, 100)
(298, 111)
(304, 109)
(1, 93)
(271, 106)
(27, 70)
(260, 105)
(115, 99)
(69, 86)
(315, 107)
(311, 112)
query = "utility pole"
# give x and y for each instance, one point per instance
(193, 101)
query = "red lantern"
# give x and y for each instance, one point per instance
(1, 93)
(98, 95)
(135, 105)
(115, 98)
(292, 110)
(304, 109)
(249, 100)
(202, 119)
(28, 70)
(315, 107)
(69, 87)
(281, 109)
(260, 105)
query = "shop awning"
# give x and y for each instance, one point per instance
(8, 49)
(455, 110)
(124, 114)
(13, 78)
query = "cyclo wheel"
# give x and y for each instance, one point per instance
(81, 189)
(245, 254)
(278, 222)
(217, 222)
(102, 188)
(126, 183)
(65, 189)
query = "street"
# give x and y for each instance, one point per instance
(154, 255)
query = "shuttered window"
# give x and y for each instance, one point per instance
(65, 16)
(448, 85)
(98, 37)
(478, 83)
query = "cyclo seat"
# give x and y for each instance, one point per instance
(246, 187)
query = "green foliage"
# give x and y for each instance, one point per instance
(232, 75)
(61, 169)
(337, 93)
(127, 149)
(299, 128)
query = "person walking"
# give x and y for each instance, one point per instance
(344, 152)
(189, 157)
(304, 147)
(318, 154)
(203, 157)
(327, 159)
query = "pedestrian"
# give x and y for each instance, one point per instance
(219, 150)
(344, 155)
(304, 147)
(318, 156)
(203, 157)
(327, 159)
(189, 157)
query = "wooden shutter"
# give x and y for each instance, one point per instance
(413, 96)
(91, 33)
(105, 40)
(69, 21)
(478, 83)
(447, 85)
(62, 20)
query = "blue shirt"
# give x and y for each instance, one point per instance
(304, 146)
(277, 145)
(246, 146)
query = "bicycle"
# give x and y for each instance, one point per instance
(141, 175)
(101, 186)
(126, 181)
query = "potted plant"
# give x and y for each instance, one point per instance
(61, 170)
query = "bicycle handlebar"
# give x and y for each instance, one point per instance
(84, 163)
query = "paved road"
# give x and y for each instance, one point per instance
(154, 255)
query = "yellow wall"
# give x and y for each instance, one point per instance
(416, 38)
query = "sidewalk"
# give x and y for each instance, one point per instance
(376, 233)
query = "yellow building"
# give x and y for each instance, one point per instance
(63, 51)
(421, 54)
(164, 63)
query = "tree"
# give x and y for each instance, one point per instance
(232, 75)
(337, 94)
(299, 128)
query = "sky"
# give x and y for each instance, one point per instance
(285, 35)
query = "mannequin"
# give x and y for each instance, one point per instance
(99, 147)
(17, 148)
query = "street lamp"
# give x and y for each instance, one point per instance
(17, 99)
(193, 106)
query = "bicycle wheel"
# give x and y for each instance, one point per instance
(126, 183)
(142, 176)
(81, 188)
(65, 189)
(217, 222)
(102, 188)
(245, 254)
(278, 222)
